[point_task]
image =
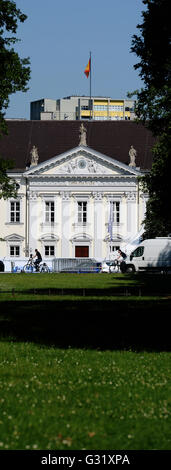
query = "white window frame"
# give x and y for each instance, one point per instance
(116, 209)
(49, 213)
(49, 240)
(15, 213)
(16, 241)
(82, 212)
(81, 198)
(9, 211)
(49, 245)
(16, 248)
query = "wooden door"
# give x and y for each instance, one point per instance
(82, 251)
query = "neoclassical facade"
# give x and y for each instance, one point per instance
(78, 204)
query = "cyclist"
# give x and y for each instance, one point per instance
(38, 259)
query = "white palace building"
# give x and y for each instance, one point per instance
(78, 203)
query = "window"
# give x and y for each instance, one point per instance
(14, 250)
(116, 212)
(49, 250)
(49, 211)
(98, 107)
(82, 212)
(114, 248)
(138, 252)
(15, 211)
(116, 108)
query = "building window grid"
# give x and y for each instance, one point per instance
(111, 107)
(100, 107)
(115, 108)
(100, 118)
(15, 211)
(82, 211)
(49, 250)
(14, 250)
(115, 212)
(49, 211)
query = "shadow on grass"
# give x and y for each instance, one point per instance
(103, 324)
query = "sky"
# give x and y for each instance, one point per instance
(58, 36)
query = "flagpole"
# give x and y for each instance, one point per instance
(90, 89)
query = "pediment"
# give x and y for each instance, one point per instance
(14, 237)
(81, 161)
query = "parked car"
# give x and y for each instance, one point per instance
(109, 266)
(93, 267)
(150, 255)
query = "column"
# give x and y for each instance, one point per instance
(98, 223)
(65, 224)
(34, 220)
(131, 213)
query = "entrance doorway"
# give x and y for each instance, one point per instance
(81, 251)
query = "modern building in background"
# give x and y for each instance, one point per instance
(77, 108)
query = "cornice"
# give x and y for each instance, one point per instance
(73, 177)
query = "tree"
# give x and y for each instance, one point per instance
(157, 184)
(153, 47)
(14, 75)
(8, 187)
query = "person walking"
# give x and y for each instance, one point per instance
(120, 258)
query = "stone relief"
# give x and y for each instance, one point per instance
(33, 195)
(65, 195)
(82, 166)
(98, 196)
(131, 196)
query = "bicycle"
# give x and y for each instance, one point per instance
(30, 267)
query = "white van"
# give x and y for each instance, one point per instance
(153, 254)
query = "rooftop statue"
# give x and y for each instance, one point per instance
(83, 132)
(34, 156)
(132, 156)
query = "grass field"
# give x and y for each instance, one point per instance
(22, 281)
(89, 310)
(84, 361)
(33, 286)
(83, 399)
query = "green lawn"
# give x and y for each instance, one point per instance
(98, 280)
(84, 284)
(93, 310)
(83, 399)
(84, 361)
(63, 280)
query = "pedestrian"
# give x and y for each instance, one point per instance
(120, 258)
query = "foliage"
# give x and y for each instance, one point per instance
(8, 187)
(14, 75)
(157, 183)
(153, 47)
(14, 71)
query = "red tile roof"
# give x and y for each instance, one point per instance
(112, 138)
